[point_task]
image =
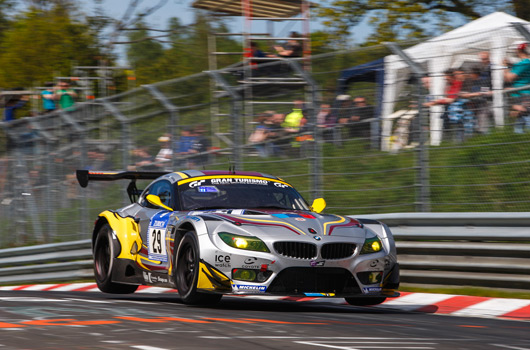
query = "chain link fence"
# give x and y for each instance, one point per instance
(335, 130)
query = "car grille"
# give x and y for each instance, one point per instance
(336, 251)
(300, 280)
(296, 250)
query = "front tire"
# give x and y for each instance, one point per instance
(104, 262)
(187, 272)
(367, 301)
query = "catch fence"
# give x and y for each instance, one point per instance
(362, 158)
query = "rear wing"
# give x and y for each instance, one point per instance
(84, 176)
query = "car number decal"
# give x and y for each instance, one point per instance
(156, 236)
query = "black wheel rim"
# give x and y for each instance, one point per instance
(186, 268)
(102, 259)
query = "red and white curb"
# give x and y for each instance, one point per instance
(445, 304)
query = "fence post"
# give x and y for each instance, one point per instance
(423, 200)
(82, 136)
(126, 135)
(316, 151)
(236, 117)
(173, 118)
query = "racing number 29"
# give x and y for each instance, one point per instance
(157, 246)
(157, 242)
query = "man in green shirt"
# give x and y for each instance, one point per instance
(65, 95)
(519, 75)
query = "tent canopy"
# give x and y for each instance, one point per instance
(373, 72)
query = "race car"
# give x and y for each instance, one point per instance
(210, 233)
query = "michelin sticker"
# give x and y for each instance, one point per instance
(156, 236)
(369, 290)
(249, 288)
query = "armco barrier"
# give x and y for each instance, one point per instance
(471, 249)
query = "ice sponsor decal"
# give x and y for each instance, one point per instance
(249, 288)
(370, 290)
(235, 181)
(277, 184)
(156, 236)
(222, 260)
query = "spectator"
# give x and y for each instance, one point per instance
(255, 50)
(261, 134)
(519, 76)
(48, 98)
(200, 146)
(142, 159)
(65, 95)
(292, 48)
(166, 153)
(485, 68)
(325, 121)
(453, 84)
(186, 142)
(12, 105)
(293, 120)
(360, 112)
(477, 91)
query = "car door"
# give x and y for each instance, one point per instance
(154, 226)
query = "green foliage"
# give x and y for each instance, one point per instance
(187, 52)
(40, 44)
(405, 19)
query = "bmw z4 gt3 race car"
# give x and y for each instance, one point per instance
(209, 233)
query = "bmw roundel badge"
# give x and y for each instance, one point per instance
(318, 238)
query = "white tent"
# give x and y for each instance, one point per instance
(493, 33)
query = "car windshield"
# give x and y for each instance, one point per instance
(239, 193)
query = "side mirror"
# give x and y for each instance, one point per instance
(155, 200)
(318, 205)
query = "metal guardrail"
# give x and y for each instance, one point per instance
(450, 249)
(454, 249)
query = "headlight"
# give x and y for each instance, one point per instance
(371, 245)
(244, 242)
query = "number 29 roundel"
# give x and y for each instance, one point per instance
(156, 236)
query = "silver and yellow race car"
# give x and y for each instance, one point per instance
(209, 233)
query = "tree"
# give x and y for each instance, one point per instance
(405, 19)
(142, 51)
(41, 43)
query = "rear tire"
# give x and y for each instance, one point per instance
(187, 265)
(104, 263)
(365, 301)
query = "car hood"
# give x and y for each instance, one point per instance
(284, 223)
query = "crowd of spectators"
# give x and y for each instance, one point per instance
(53, 96)
(468, 95)
(190, 151)
(282, 134)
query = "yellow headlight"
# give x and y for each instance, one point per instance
(376, 246)
(240, 243)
